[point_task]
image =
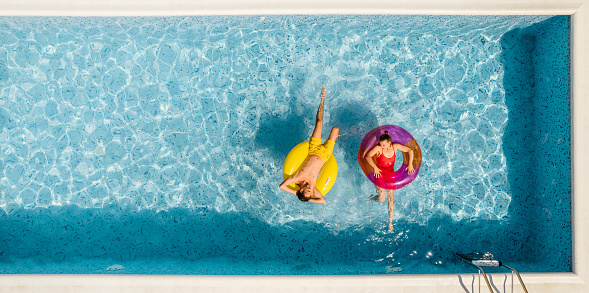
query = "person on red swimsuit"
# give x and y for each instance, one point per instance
(386, 154)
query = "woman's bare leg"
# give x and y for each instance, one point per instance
(391, 193)
(381, 194)
(319, 120)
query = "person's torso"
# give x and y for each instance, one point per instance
(310, 169)
(384, 161)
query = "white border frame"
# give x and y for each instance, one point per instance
(578, 281)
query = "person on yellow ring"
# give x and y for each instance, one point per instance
(306, 176)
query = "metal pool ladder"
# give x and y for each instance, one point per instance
(486, 260)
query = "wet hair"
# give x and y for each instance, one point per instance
(302, 196)
(385, 136)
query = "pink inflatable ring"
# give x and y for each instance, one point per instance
(390, 179)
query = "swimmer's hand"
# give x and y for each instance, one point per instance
(410, 169)
(377, 172)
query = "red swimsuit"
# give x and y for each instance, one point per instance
(385, 162)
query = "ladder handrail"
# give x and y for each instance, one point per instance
(480, 270)
(493, 263)
(521, 282)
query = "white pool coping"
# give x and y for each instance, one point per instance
(557, 282)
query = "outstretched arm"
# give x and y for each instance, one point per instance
(319, 120)
(408, 150)
(284, 185)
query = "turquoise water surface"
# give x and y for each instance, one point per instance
(158, 143)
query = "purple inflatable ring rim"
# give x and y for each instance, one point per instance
(398, 135)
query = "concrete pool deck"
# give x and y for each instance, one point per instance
(578, 281)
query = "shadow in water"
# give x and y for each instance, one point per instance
(518, 139)
(281, 132)
(537, 172)
(354, 120)
(69, 233)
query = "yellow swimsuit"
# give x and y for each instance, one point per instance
(323, 151)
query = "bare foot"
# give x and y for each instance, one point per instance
(323, 90)
(390, 227)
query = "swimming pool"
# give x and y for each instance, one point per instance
(219, 205)
(163, 138)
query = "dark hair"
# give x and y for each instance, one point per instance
(302, 196)
(385, 136)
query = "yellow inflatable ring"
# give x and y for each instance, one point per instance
(297, 156)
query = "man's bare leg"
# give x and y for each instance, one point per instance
(391, 193)
(319, 120)
(334, 134)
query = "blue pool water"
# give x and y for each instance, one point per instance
(158, 143)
